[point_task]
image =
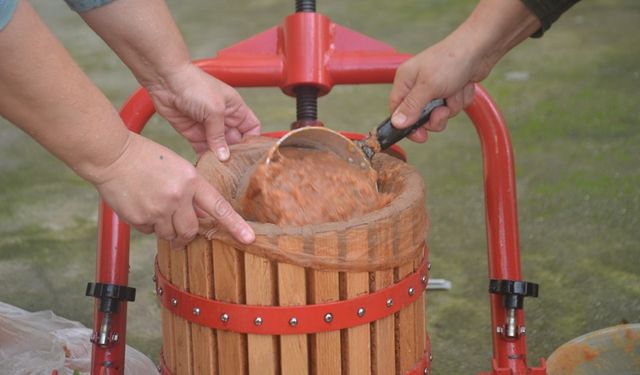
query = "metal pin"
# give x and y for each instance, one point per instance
(224, 317)
(411, 291)
(174, 302)
(257, 321)
(196, 311)
(293, 322)
(389, 302)
(361, 312)
(328, 318)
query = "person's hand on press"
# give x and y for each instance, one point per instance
(155, 190)
(207, 112)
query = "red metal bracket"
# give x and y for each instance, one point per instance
(284, 320)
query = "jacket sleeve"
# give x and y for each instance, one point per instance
(548, 11)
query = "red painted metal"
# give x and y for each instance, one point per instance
(327, 55)
(275, 319)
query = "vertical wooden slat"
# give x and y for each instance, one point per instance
(168, 345)
(324, 286)
(262, 349)
(228, 286)
(294, 357)
(358, 345)
(181, 327)
(383, 338)
(201, 283)
(406, 322)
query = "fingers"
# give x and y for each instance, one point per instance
(185, 223)
(214, 130)
(209, 200)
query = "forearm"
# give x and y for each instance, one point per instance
(493, 28)
(144, 35)
(47, 96)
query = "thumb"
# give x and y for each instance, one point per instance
(409, 109)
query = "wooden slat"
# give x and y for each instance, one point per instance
(324, 287)
(228, 286)
(294, 357)
(383, 338)
(260, 290)
(168, 345)
(357, 352)
(204, 345)
(420, 308)
(406, 324)
(181, 327)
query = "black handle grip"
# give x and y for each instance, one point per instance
(387, 135)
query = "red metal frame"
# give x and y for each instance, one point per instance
(309, 49)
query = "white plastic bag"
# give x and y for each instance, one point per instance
(40, 342)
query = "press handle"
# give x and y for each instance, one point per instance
(388, 135)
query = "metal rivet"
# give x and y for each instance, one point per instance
(499, 330)
(224, 317)
(196, 311)
(411, 291)
(429, 266)
(425, 371)
(257, 321)
(293, 322)
(114, 338)
(523, 330)
(389, 302)
(160, 291)
(424, 280)
(328, 318)
(430, 357)
(174, 302)
(361, 312)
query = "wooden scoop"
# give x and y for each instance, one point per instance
(355, 152)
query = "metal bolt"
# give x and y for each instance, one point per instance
(424, 280)
(328, 318)
(174, 302)
(160, 291)
(196, 311)
(257, 321)
(430, 357)
(224, 317)
(114, 337)
(523, 330)
(361, 312)
(499, 330)
(425, 371)
(429, 266)
(293, 322)
(389, 302)
(411, 291)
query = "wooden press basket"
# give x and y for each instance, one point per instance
(335, 298)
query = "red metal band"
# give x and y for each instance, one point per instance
(283, 320)
(418, 369)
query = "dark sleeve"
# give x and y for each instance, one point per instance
(548, 11)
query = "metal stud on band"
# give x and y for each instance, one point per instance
(389, 302)
(160, 291)
(196, 311)
(411, 291)
(328, 318)
(361, 312)
(293, 322)
(224, 318)
(257, 321)
(174, 302)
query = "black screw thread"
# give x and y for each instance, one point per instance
(306, 103)
(305, 5)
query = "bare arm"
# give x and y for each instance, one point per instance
(449, 68)
(206, 111)
(44, 93)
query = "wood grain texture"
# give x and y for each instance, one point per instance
(168, 345)
(181, 327)
(383, 332)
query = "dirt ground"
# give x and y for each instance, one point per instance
(570, 100)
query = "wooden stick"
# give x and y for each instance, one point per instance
(294, 357)
(228, 285)
(181, 327)
(324, 286)
(260, 290)
(205, 360)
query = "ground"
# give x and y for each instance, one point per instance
(570, 100)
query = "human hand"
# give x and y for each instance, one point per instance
(207, 112)
(155, 190)
(437, 72)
